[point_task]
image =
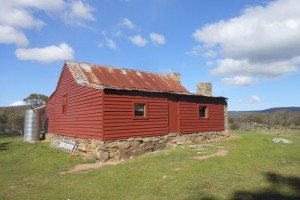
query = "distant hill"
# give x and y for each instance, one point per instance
(266, 111)
(14, 107)
(270, 110)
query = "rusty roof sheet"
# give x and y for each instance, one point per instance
(104, 77)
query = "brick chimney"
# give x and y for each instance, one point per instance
(204, 89)
(175, 76)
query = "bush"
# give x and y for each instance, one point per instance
(234, 127)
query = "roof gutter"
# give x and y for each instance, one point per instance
(39, 107)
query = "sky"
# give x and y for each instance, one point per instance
(249, 50)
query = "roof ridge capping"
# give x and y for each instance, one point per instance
(109, 66)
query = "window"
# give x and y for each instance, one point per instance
(140, 110)
(203, 111)
(64, 104)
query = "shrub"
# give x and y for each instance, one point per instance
(234, 126)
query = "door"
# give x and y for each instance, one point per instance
(173, 115)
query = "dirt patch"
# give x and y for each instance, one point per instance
(221, 152)
(84, 167)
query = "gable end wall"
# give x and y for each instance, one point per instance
(84, 113)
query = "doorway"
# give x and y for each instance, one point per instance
(173, 114)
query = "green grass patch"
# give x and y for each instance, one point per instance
(255, 168)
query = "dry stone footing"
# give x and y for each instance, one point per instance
(113, 150)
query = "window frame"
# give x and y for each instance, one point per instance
(145, 110)
(64, 104)
(206, 111)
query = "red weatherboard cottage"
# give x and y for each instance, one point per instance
(105, 103)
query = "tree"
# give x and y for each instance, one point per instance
(3, 120)
(256, 117)
(296, 118)
(280, 118)
(12, 118)
(36, 99)
(16, 120)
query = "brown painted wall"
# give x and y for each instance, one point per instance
(119, 121)
(83, 111)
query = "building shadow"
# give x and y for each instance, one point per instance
(4, 145)
(9, 134)
(272, 192)
(277, 181)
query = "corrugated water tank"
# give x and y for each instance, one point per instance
(32, 125)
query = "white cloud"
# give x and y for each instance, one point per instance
(138, 40)
(111, 44)
(157, 39)
(117, 33)
(127, 23)
(18, 103)
(210, 54)
(250, 100)
(262, 41)
(10, 35)
(16, 16)
(210, 63)
(46, 55)
(237, 80)
(100, 44)
(275, 69)
(82, 10)
(19, 18)
(78, 12)
(20, 13)
(107, 43)
(196, 51)
(46, 5)
(199, 50)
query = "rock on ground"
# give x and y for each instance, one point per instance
(281, 140)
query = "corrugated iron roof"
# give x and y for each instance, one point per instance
(104, 77)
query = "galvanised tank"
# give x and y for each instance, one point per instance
(32, 125)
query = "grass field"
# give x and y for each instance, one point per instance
(255, 168)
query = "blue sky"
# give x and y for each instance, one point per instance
(249, 50)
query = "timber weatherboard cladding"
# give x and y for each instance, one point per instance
(119, 120)
(189, 120)
(84, 113)
(107, 113)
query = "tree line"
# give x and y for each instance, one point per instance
(279, 119)
(12, 118)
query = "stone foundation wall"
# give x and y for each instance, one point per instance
(226, 123)
(127, 148)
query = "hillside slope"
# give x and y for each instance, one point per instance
(265, 111)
